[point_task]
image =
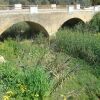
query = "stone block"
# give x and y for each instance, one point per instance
(17, 6)
(33, 10)
(53, 6)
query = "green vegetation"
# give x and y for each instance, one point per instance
(85, 46)
(82, 41)
(95, 22)
(30, 69)
(27, 2)
(35, 70)
(22, 75)
(91, 27)
(65, 68)
(23, 83)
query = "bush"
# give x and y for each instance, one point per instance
(22, 75)
(85, 28)
(91, 27)
(24, 83)
(85, 46)
(95, 22)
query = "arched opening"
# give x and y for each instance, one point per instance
(72, 23)
(24, 30)
(37, 28)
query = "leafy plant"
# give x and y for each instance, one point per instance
(24, 82)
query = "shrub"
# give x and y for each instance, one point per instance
(85, 28)
(32, 82)
(85, 46)
(40, 80)
(91, 27)
(95, 22)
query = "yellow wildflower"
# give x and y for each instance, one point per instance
(64, 97)
(6, 98)
(23, 88)
(10, 93)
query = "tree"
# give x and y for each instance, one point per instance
(95, 2)
(4, 2)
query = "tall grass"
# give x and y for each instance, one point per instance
(95, 22)
(33, 71)
(84, 46)
(30, 69)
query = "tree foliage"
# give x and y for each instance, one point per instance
(65, 2)
(27, 2)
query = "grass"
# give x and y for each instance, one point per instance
(77, 44)
(23, 73)
(62, 74)
(81, 85)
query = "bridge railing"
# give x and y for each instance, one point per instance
(18, 8)
(9, 7)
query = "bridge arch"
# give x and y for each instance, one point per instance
(36, 28)
(71, 22)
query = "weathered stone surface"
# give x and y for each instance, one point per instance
(46, 21)
(2, 60)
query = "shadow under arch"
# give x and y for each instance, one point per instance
(37, 28)
(71, 23)
(33, 29)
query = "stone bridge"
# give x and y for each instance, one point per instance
(45, 20)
